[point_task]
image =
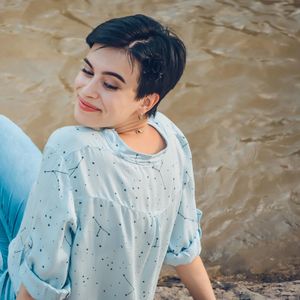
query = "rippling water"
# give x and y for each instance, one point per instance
(238, 103)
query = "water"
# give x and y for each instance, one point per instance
(238, 103)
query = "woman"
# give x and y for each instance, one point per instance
(113, 199)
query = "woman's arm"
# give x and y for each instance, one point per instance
(23, 294)
(195, 278)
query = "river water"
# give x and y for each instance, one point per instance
(238, 104)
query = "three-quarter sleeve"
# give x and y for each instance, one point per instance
(185, 244)
(47, 231)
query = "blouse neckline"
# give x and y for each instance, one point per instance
(122, 149)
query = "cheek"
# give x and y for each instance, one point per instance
(79, 81)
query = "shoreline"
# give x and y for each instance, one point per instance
(235, 287)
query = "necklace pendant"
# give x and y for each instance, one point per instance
(139, 130)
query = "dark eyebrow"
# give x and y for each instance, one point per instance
(106, 72)
(115, 75)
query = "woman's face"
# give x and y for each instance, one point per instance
(107, 83)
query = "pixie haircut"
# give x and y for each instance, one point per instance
(160, 54)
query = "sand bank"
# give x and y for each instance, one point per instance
(170, 288)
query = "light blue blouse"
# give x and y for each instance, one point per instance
(101, 218)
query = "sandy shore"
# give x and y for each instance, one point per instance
(170, 288)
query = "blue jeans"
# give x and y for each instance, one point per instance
(19, 166)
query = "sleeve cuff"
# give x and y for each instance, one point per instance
(186, 255)
(38, 288)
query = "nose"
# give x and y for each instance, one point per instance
(91, 89)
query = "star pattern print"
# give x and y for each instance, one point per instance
(102, 219)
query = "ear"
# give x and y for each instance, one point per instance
(149, 101)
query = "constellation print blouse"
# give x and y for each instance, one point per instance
(101, 219)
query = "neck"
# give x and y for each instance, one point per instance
(133, 127)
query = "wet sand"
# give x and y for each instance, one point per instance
(170, 288)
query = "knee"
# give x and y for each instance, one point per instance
(7, 130)
(3, 118)
(5, 121)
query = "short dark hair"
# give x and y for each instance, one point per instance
(160, 53)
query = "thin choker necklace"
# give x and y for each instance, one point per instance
(138, 130)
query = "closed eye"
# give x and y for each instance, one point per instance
(87, 72)
(105, 84)
(109, 86)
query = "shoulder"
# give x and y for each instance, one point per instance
(172, 130)
(69, 139)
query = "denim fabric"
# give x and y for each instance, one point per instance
(19, 165)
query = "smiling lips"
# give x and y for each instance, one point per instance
(87, 106)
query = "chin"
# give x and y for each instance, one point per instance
(85, 120)
(81, 119)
